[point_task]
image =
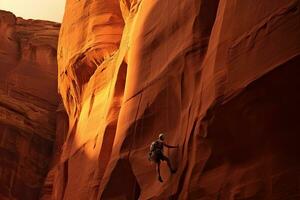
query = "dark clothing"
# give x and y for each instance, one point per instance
(157, 156)
(156, 151)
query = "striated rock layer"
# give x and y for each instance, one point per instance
(219, 77)
(28, 104)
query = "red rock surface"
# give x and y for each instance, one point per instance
(28, 104)
(219, 77)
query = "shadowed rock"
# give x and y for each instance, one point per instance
(28, 104)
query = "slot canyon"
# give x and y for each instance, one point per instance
(81, 101)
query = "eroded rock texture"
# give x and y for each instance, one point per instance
(220, 77)
(28, 104)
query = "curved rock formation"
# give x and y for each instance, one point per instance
(28, 104)
(218, 76)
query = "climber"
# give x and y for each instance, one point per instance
(156, 154)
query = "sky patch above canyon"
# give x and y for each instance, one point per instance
(51, 10)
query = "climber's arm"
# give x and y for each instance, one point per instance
(170, 146)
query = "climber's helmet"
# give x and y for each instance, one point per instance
(161, 136)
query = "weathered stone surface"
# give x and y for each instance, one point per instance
(220, 77)
(28, 104)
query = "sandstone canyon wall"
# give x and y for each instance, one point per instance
(219, 77)
(28, 104)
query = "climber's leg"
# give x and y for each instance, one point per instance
(169, 164)
(158, 171)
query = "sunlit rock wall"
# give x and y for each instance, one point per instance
(28, 104)
(219, 77)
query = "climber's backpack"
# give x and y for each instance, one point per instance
(152, 153)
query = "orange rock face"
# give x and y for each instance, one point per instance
(220, 78)
(28, 104)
